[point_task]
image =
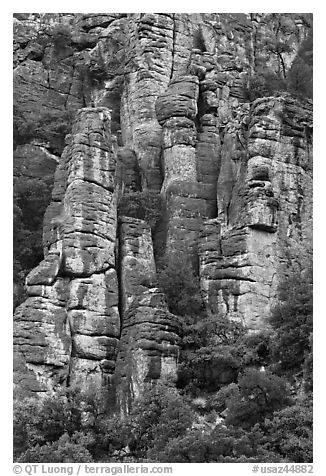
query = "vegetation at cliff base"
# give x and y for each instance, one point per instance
(235, 400)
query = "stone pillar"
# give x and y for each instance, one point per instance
(148, 348)
(147, 73)
(265, 212)
(68, 329)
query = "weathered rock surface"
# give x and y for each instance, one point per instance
(74, 291)
(235, 178)
(148, 348)
(263, 212)
(136, 259)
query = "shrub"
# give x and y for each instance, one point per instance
(43, 426)
(289, 433)
(143, 205)
(49, 127)
(67, 449)
(180, 285)
(60, 35)
(292, 321)
(31, 197)
(156, 417)
(261, 393)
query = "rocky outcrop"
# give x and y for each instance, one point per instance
(263, 212)
(73, 293)
(147, 73)
(148, 349)
(136, 260)
(160, 105)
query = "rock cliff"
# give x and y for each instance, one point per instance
(152, 103)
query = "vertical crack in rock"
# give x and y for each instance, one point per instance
(147, 71)
(148, 348)
(173, 46)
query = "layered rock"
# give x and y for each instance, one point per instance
(74, 293)
(147, 73)
(136, 260)
(148, 349)
(191, 146)
(235, 179)
(263, 213)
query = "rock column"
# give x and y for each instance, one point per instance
(148, 349)
(74, 293)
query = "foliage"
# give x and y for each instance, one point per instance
(208, 368)
(180, 285)
(274, 43)
(289, 433)
(54, 422)
(48, 127)
(158, 416)
(60, 35)
(31, 197)
(145, 205)
(162, 426)
(292, 321)
(255, 350)
(263, 83)
(300, 77)
(96, 71)
(199, 41)
(220, 445)
(67, 449)
(260, 394)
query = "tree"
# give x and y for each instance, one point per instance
(31, 197)
(180, 285)
(260, 394)
(289, 433)
(292, 321)
(300, 77)
(158, 416)
(220, 445)
(39, 424)
(67, 449)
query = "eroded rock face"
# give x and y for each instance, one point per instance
(263, 212)
(74, 292)
(234, 176)
(136, 259)
(148, 349)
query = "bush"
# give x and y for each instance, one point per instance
(47, 127)
(260, 394)
(143, 205)
(158, 416)
(31, 197)
(43, 427)
(289, 433)
(262, 84)
(220, 445)
(60, 35)
(180, 285)
(292, 321)
(300, 77)
(65, 450)
(96, 71)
